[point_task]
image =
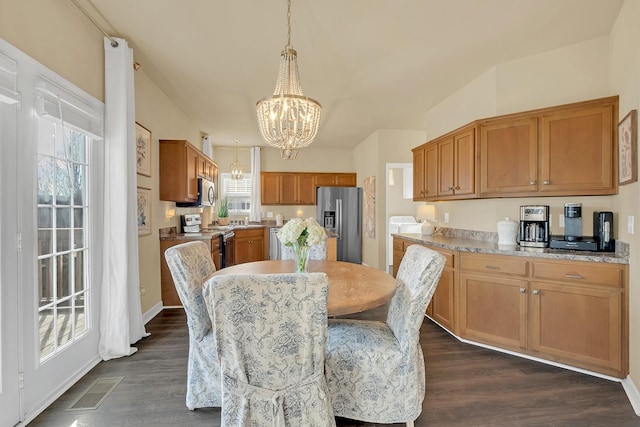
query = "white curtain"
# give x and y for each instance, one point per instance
(120, 313)
(256, 203)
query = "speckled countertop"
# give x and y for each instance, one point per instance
(487, 242)
(170, 233)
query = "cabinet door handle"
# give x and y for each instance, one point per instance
(536, 292)
(546, 182)
(573, 276)
(492, 267)
(533, 182)
(523, 290)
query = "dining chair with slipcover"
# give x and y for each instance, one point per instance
(316, 252)
(271, 337)
(190, 263)
(375, 370)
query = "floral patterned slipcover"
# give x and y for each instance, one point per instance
(271, 336)
(375, 370)
(190, 263)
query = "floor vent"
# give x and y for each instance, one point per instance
(96, 394)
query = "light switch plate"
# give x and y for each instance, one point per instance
(630, 224)
(561, 220)
(446, 217)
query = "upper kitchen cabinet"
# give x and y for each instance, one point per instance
(444, 168)
(299, 188)
(567, 150)
(288, 188)
(577, 150)
(425, 171)
(508, 156)
(181, 164)
(335, 180)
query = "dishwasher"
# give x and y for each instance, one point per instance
(274, 243)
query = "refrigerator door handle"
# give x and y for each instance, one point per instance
(338, 224)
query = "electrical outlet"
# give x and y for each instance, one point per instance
(561, 220)
(446, 217)
(630, 224)
(550, 220)
(143, 291)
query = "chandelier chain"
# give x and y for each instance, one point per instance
(289, 46)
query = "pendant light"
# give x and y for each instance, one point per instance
(237, 168)
(288, 120)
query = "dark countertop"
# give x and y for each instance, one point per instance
(489, 246)
(206, 233)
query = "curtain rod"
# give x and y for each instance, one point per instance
(113, 41)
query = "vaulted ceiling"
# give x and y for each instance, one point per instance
(372, 64)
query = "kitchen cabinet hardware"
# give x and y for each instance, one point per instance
(523, 290)
(574, 276)
(536, 292)
(533, 182)
(492, 267)
(546, 182)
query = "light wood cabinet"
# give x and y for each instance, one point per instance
(181, 164)
(566, 150)
(493, 300)
(442, 305)
(299, 188)
(425, 172)
(249, 245)
(335, 180)
(565, 311)
(445, 168)
(577, 151)
(168, 290)
(508, 156)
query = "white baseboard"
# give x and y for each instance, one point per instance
(632, 393)
(151, 313)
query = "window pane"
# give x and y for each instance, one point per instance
(78, 184)
(79, 270)
(78, 241)
(63, 217)
(81, 322)
(64, 322)
(78, 217)
(63, 240)
(45, 180)
(62, 183)
(47, 334)
(63, 277)
(45, 217)
(45, 281)
(45, 242)
(76, 147)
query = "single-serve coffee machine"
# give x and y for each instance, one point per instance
(534, 226)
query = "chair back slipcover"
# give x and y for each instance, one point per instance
(375, 370)
(190, 263)
(271, 337)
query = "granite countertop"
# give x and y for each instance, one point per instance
(487, 242)
(171, 233)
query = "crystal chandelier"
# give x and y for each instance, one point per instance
(288, 120)
(237, 168)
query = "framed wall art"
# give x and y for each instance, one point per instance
(144, 211)
(628, 148)
(143, 150)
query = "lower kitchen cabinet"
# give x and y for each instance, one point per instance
(168, 291)
(564, 311)
(249, 245)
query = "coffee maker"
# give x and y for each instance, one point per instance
(534, 226)
(573, 238)
(603, 231)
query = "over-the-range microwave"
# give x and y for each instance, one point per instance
(207, 194)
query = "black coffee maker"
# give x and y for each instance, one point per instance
(603, 231)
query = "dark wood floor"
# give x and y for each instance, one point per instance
(466, 386)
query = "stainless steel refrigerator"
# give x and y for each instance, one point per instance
(339, 210)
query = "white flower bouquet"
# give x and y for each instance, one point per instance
(304, 232)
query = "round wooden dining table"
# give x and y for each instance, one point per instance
(352, 287)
